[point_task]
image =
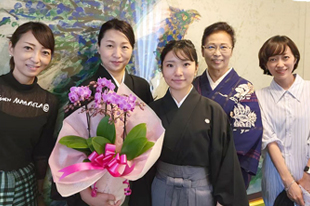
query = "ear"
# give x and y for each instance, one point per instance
(98, 48)
(196, 69)
(11, 49)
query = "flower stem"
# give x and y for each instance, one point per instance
(125, 133)
(88, 120)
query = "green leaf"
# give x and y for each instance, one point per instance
(107, 130)
(90, 144)
(134, 147)
(138, 131)
(99, 144)
(146, 147)
(74, 142)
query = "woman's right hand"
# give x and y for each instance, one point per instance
(295, 194)
(102, 199)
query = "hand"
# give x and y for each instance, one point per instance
(218, 204)
(305, 181)
(101, 199)
(295, 194)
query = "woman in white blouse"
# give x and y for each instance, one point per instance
(286, 121)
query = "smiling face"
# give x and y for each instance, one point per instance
(30, 58)
(178, 73)
(281, 66)
(216, 59)
(115, 51)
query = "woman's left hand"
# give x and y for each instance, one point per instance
(305, 181)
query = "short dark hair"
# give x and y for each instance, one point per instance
(217, 27)
(40, 31)
(276, 45)
(118, 25)
(186, 47)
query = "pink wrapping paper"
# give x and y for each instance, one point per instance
(76, 124)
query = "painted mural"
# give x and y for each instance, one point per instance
(76, 23)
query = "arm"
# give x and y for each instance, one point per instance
(293, 190)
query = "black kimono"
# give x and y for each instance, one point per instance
(197, 134)
(136, 84)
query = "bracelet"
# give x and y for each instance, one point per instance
(289, 186)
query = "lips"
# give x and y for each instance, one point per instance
(116, 63)
(32, 67)
(178, 80)
(217, 61)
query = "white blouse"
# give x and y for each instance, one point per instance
(286, 120)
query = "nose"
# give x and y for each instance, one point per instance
(117, 52)
(178, 71)
(280, 63)
(35, 57)
(217, 51)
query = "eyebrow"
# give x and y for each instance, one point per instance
(125, 42)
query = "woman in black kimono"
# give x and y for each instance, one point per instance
(198, 165)
(115, 45)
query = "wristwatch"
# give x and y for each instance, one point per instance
(307, 169)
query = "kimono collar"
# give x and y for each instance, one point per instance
(10, 80)
(217, 82)
(181, 102)
(295, 90)
(115, 81)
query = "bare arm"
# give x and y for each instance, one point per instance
(293, 190)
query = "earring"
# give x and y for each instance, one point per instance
(10, 55)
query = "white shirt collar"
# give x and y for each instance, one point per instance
(116, 82)
(181, 102)
(217, 82)
(295, 90)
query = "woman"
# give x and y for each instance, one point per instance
(286, 122)
(115, 45)
(235, 95)
(27, 116)
(198, 165)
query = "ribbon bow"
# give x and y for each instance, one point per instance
(115, 163)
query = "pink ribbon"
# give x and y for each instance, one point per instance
(115, 163)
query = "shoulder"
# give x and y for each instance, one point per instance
(50, 98)
(139, 80)
(156, 104)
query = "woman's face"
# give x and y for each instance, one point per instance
(30, 58)
(217, 51)
(178, 73)
(281, 66)
(115, 51)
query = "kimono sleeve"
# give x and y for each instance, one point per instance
(225, 172)
(247, 132)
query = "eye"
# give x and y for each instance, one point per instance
(210, 47)
(286, 57)
(125, 47)
(187, 64)
(109, 46)
(169, 65)
(28, 48)
(272, 59)
(46, 53)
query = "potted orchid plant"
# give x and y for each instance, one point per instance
(108, 162)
